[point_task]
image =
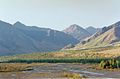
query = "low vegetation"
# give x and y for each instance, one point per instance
(83, 61)
(5, 67)
(110, 64)
(94, 53)
(14, 67)
(73, 76)
(84, 56)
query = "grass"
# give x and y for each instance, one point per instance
(84, 56)
(110, 64)
(94, 53)
(102, 40)
(5, 67)
(14, 67)
(73, 76)
(83, 61)
(26, 62)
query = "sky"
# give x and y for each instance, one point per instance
(60, 14)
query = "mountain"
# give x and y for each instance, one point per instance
(107, 36)
(92, 30)
(19, 38)
(77, 32)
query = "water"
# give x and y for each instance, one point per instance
(87, 72)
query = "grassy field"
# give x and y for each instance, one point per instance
(14, 67)
(93, 55)
(25, 62)
(58, 64)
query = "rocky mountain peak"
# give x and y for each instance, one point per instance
(18, 23)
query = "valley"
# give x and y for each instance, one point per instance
(28, 52)
(59, 39)
(61, 64)
(61, 70)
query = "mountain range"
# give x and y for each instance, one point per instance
(80, 33)
(19, 38)
(107, 36)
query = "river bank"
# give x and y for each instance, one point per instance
(59, 70)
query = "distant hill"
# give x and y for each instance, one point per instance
(107, 36)
(93, 53)
(92, 30)
(77, 32)
(19, 38)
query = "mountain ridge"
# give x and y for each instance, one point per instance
(108, 36)
(77, 32)
(19, 38)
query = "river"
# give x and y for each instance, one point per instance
(56, 70)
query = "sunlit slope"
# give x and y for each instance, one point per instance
(94, 53)
(108, 36)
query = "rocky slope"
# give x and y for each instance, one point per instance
(77, 32)
(107, 36)
(92, 30)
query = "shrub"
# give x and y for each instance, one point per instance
(110, 64)
(74, 76)
(7, 67)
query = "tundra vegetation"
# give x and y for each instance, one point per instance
(110, 64)
(106, 57)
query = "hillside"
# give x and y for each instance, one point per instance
(19, 38)
(92, 30)
(77, 32)
(108, 36)
(94, 53)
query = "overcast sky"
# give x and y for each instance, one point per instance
(59, 14)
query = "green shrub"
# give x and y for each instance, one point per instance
(102, 64)
(70, 60)
(110, 64)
